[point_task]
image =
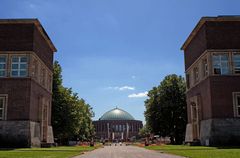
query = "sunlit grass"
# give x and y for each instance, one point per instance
(54, 152)
(198, 151)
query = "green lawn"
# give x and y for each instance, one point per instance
(198, 151)
(54, 152)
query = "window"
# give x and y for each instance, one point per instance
(205, 67)
(236, 63)
(35, 69)
(188, 81)
(2, 107)
(43, 77)
(196, 74)
(237, 104)
(120, 128)
(220, 64)
(3, 66)
(49, 82)
(19, 66)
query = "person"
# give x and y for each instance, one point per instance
(146, 142)
(92, 142)
(103, 142)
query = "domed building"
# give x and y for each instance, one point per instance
(117, 124)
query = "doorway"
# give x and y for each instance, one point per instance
(195, 120)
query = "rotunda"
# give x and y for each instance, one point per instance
(117, 124)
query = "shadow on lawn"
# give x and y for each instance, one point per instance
(197, 149)
(6, 149)
(202, 148)
(42, 150)
(52, 150)
(228, 147)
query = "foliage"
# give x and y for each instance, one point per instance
(71, 116)
(166, 113)
(54, 152)
(144, 131)
(198, 151)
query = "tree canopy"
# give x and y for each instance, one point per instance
(71, 116)
(166, 113)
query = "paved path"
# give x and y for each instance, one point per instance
(125, 152)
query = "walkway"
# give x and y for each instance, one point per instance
(125, 152)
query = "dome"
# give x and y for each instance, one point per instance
(116, 114)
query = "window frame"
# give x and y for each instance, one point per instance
(19, 63)
(236, 105)
(221, 67)
(233, 63)
(4, 108)
(205, 67)
(196, 74)
(4, 63)
(188, 80)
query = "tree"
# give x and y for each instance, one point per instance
(71, 116)
(144, 131)
(166, 113)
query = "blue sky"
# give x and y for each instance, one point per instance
(113, 51)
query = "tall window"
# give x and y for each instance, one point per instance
(205, 67)
(237, 104)
(2, 107)
(43, 77)
(196, 74)
(49, 82)
(188, 80)
(3, 66)
(19, 66)
(236, 63)
(220, 64)
(35, 69)
(120, 128)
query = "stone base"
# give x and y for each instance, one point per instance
(50, 138)
(22, 134)
(189, 134)
(217, 132)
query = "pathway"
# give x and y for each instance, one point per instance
(125, 152)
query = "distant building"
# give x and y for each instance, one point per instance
(212, 65)
(26, 65)
(117, 124)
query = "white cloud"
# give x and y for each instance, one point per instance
(138, 95)
(126, 88)
(122, 88)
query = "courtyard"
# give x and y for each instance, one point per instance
(163, 151)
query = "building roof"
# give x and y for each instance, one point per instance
(116, 114)
(38, 25)
(202, 22)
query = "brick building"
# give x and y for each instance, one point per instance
(212, 65)
(117, 124)
(26, 65)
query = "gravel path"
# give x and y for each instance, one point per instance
(125, 152)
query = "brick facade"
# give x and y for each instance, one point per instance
(210, 96)
(27, 104)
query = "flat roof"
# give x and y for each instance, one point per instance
(202, 22)
(38, 25)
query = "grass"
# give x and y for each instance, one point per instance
(54, 152)
(198, 151)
